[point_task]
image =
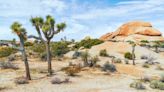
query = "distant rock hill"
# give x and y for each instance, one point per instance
(134, 31)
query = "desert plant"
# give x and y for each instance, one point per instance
(87, 43)
(85, 56)
(21, 33)
(126, 61)
(144, 41)
(56, 80)
(103, 53)
(162, 77)
(146, 65)
(59, 48)
(11, 58)
(155, 84)
(8, 65)
(128, 55)
(159, 67)
(146, 78)
(117, 60)
(6, 51)
(93, 61)
(49, 29)
(109, 67)
(144, 57)
(21, 80)
(150, 60)
(72, 70)
(137, 85)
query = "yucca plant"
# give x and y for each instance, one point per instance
(21, 33)
(48, 28)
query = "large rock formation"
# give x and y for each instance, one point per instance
(135, 31)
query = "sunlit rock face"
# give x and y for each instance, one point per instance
(136, 31)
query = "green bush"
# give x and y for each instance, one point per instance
(157, 85)
(28, 44)
(144, 41)
(137, 85)
(145, 65)
(85, 56)
(6, 51)
(117, 60)
(59, 48)
(94, 61)
(87, 43)
(38, 48)
(109, 67)
(128, 55)
(103, 53)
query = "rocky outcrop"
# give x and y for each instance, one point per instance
(133, 30)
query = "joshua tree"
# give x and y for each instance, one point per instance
(48, 28)
(157, 45)
(21, 32)
(84, 56)
(133, 51)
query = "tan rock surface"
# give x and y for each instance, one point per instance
(134, 28)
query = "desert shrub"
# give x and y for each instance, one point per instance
(144, 41)
(93, 61)
(56, 80)
(159, 67)
(117, 60)
(109, 67)
(145, 65)
(21, 80)
(126, 61)
(144, 57)
(87, 43)
(146, 78)
(3, 87)
(6, 51)
(11, 58)
(8, 65)
(28, 44)
(43, 56)
(155, 84)
(59, 48)
(128, 55)
(85, 56)
(137, 85)
(150, 60)
(38, 48)
(162, 77)
(103, 53)
(72, 70)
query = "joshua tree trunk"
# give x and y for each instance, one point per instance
(133, 54)
(24, 57)
(156, 49)
(49, 57)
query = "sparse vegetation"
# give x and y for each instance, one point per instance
(155, 84)
(117, 60)
(21, 80)
(144, 57)
(103, 53)
(137, 85)
(6, 51)
(85, 57)
(87, 43)
(126, 61)
(144, 41)
(145, 65)
(59, 48)
(8, 65)
(93, 61)
(72, 70)
(109, 67)
(128, 55)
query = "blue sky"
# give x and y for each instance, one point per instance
(83, 17)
